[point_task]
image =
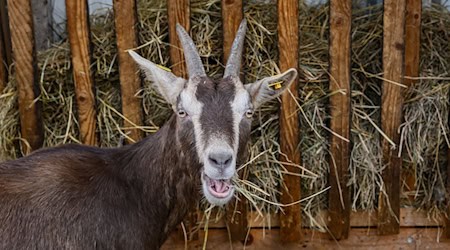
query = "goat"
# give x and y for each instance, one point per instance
(132, 197)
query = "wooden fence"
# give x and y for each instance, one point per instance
(400, 57)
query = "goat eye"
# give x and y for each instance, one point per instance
(182, 113)
(249, 113)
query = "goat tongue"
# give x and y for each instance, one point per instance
(220, 186)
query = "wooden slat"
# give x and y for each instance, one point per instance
(231, 18)
(412, 61)
(4, 22)
(391, 114)
(77, 26)
(237, 210)
(21, 26)
(42, 29)
(289, 124)
(125, 16)
(339, 196)
(178, 12)
(3, 70)
(409, 238)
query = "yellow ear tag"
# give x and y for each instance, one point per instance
(164, 68)
(276, 85)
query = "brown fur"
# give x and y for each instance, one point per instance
(79, 197)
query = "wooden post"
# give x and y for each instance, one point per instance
(3, 69)
(412, 61)
(42, 28)
(125, 16)
(77, 26)
(339, 197)
(4, 35)
(391, 115)
(231, 19)
(178, 11)
(21, 26)
(236, 211)
(290, 228)
(4, 22)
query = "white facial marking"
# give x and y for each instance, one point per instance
(239, 106)
(194, 109)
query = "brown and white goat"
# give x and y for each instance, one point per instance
(132, 197)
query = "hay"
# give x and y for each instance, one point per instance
(365, 164)
(263, 173)
(425, 132)
(9, 122)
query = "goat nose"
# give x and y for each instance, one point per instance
(220, 160)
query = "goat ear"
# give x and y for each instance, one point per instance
(168, 85)
(270, 87)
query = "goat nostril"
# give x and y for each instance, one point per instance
(220, 159)
(213, 160)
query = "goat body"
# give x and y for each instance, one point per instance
(83, 197)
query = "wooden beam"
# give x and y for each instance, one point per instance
(409, 217)
(232, 15)
(339, 196)
(412, 61)
(409, 238)
(21, 26)
(289, 124)
(125, 16)
(391, 114)
(178, 11)
(78, 29)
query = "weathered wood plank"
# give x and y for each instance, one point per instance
(412, 61)
(231, 18)
(178, 11)
(3, 69)
(339, 196)
(22, 41)
(4, 22)
(289, 124)
(391, 114)
(125, 17)
(78, 29)
(409, 238)
(42, 29)
(237, 210)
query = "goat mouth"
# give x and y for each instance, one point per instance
(219, 188)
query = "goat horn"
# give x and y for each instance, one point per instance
(193, 61)
(234, 60)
